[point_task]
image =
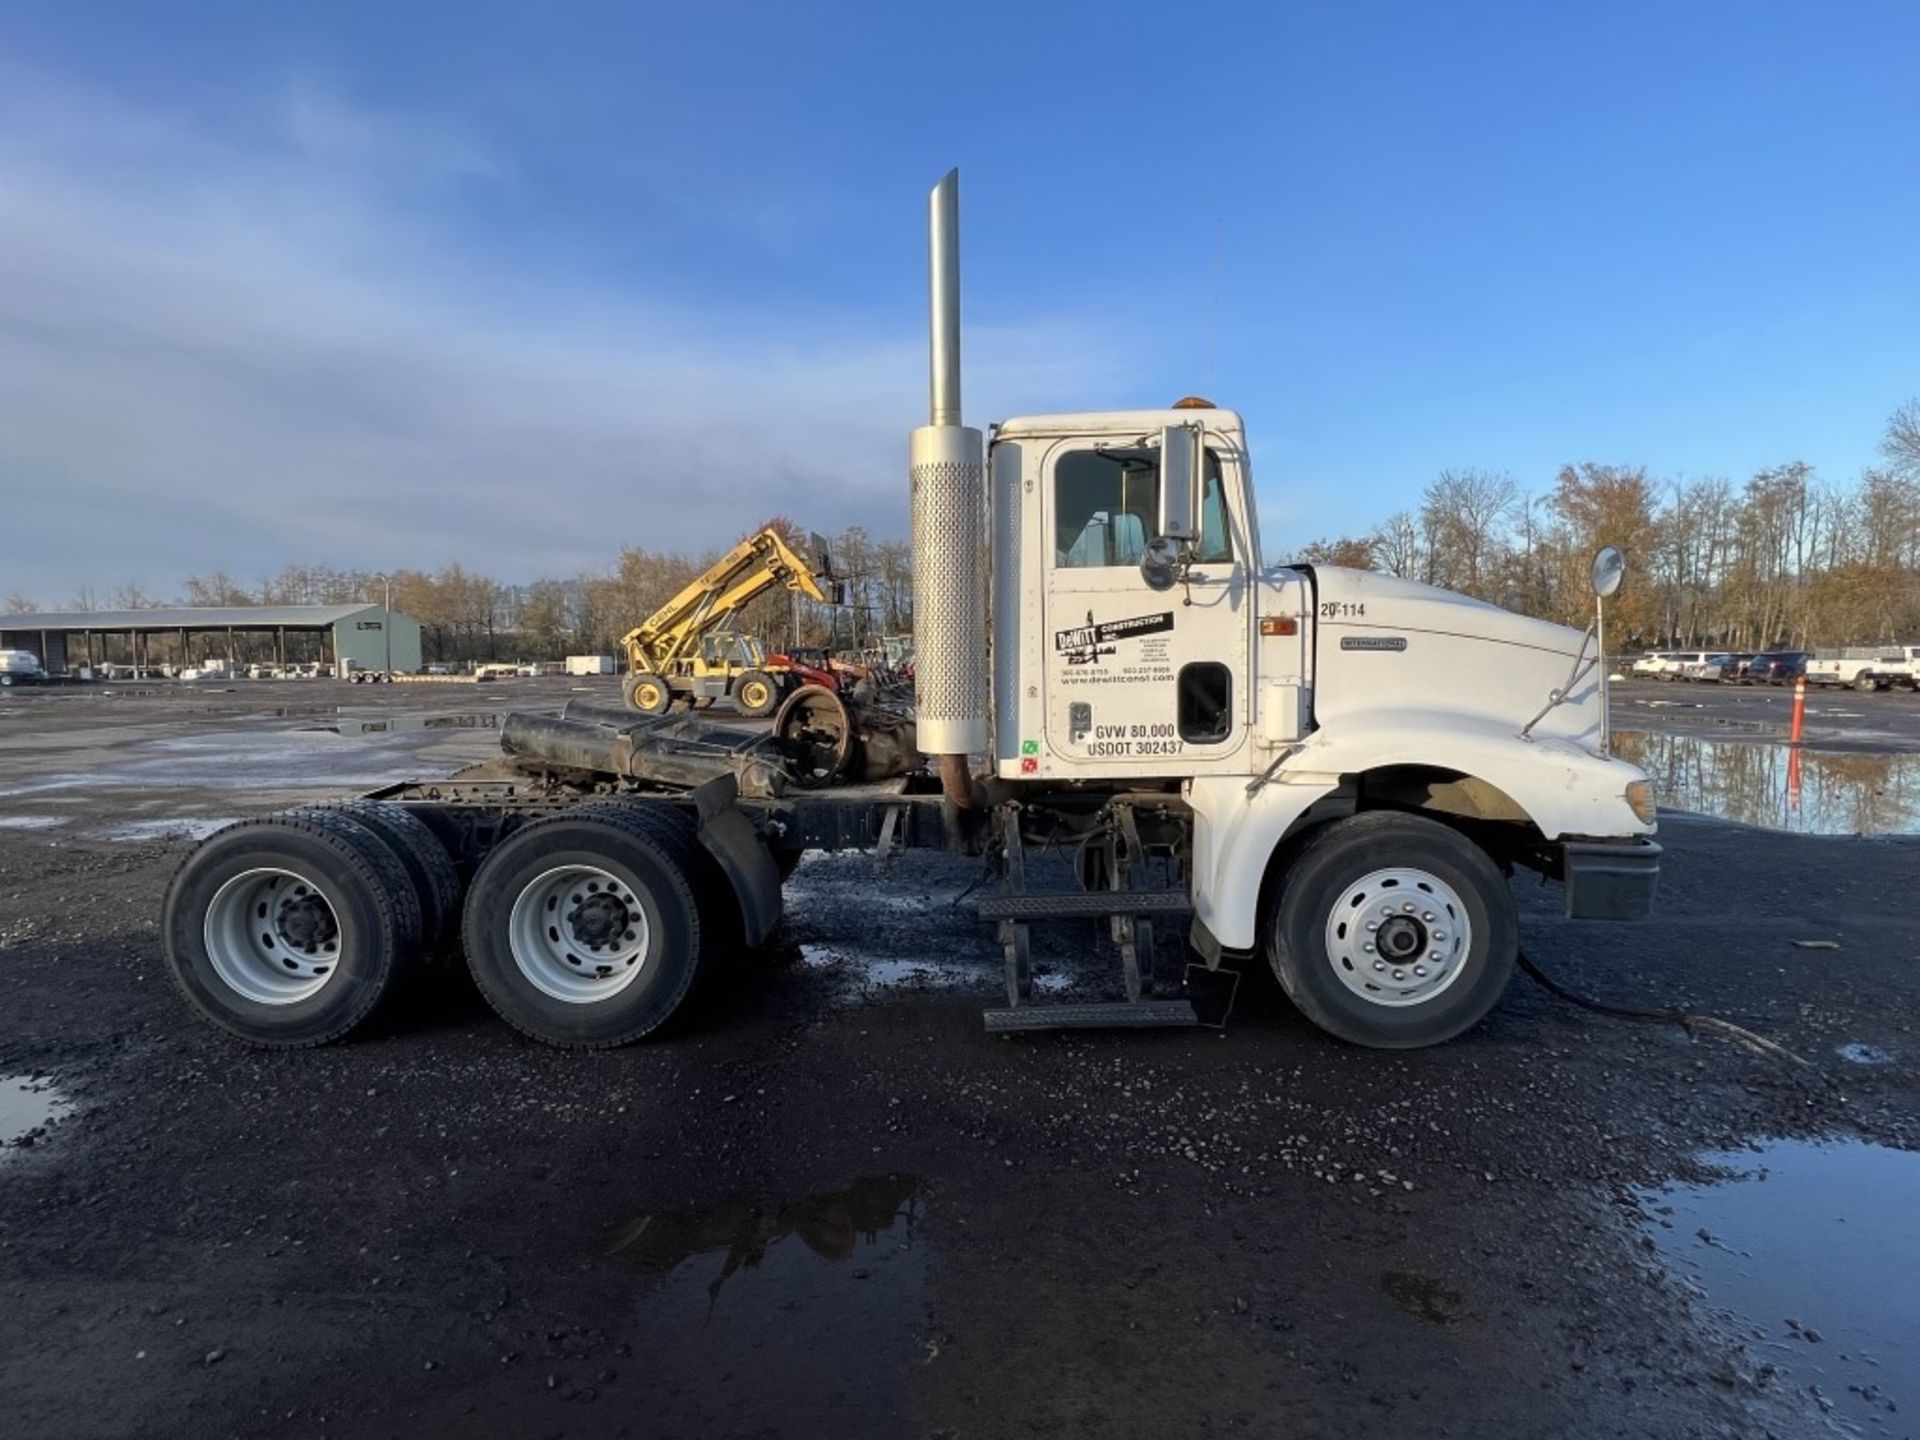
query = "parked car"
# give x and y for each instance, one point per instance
(1708, 668)
(1651, 665)
(1776, 667)
(1673, 663)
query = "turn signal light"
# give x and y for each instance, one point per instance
(1279, 625)
(1640, 799)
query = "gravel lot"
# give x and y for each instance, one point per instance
(832, 1206)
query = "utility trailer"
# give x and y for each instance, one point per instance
(1331, 770)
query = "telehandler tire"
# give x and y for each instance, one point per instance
(648, 694)
(584, 929)
(756, 694)
(288, 931)
(1392, 930)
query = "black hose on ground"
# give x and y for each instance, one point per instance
(1686, 1020)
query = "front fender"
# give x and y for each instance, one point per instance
(1566, 791)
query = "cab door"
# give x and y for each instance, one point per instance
(1138, 682)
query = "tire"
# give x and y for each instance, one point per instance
(648, 694)
(1379, 854)
(755, 693)
(323, 968)
(605, 980)
(436, 880)
(1865, 684)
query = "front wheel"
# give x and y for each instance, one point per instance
(756, 694)
(1393, 931)
(648, 694)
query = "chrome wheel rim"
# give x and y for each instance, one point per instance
(1399, 937)
(273, 936)
(579, 934)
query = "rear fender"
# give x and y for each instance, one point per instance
(742, 856)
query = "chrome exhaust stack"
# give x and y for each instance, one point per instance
(952, 698)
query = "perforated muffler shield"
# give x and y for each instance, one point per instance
(950, 677)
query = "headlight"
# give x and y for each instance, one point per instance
(1640, 801)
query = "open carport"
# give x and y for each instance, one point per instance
(80, 641)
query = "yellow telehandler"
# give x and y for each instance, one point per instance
(685, 651)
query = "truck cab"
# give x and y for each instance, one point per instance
(1273, 698)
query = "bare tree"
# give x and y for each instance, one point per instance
(1901, 444)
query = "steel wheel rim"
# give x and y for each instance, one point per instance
(579, 934)
(754, 694)
(648, 696)
(273, 936)
(1399, 937)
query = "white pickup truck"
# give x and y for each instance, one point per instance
(1872, 667)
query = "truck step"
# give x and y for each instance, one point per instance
(1110, 1015)
(1082, 904)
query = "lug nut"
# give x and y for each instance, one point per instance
(1399, 974)
(1379, 965)
(1435, 957)
(1373, 925)
(1420, 970)
(1408, 907)
(1439, 934)
(1427, 915)
(1368, 948)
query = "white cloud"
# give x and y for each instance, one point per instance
(235, 353)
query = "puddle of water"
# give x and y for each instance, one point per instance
(31, 822)
(820, 1301)
(985, 976)
(1781, 787)
(164, 829)
(27, 1108)
(405, 724)
(1812, 1245)
(1858, 1054)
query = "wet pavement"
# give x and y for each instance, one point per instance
(1808, 1249)
(28, 1108)
(1794, 788)
(830, 1205)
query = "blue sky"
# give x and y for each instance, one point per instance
(526, 283)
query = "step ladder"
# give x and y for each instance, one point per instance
(1121, 905)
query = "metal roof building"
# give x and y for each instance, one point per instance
(70, 640)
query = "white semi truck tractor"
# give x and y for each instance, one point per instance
(1330, 772)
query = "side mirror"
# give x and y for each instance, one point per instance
(1609, 569)
(1181, 459)
(1160, 562)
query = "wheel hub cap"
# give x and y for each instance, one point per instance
(1398, 937)
(272, 936)
(579, 934)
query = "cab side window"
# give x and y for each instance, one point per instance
(1106, 507)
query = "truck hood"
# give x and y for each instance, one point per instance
(1384, 643)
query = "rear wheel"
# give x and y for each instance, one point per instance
(1865, 684)
(584, 929)
(648, 694)
(755, 693)
(436, 882)
(1393, 931)
(288, 931)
